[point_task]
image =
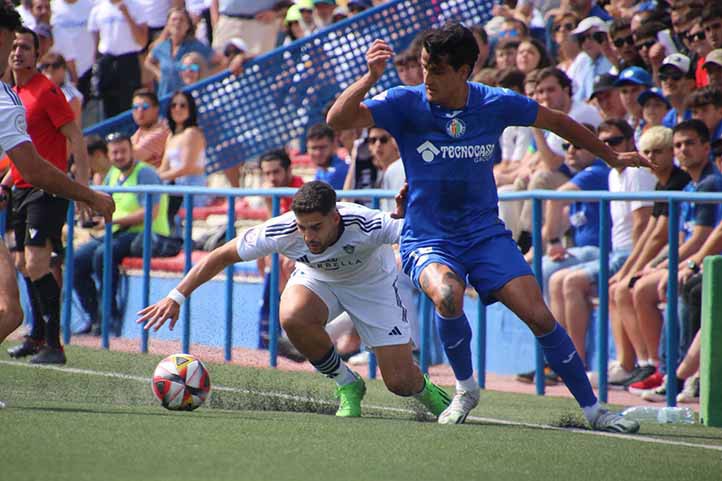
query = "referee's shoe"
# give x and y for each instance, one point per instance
(49, 355)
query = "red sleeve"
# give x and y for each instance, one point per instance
(57, 107)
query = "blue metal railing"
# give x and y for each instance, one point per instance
(672, 335)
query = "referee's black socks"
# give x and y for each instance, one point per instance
(49, 292)
(37, 333)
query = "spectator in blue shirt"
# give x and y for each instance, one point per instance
(177, 40)
(321, 145)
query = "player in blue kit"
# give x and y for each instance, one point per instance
(447, 130)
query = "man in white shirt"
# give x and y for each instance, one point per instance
(343, 263)
(15, 141)
(120, 30)
(73, 40)
(591, 33)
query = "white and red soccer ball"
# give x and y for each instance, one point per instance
(181, 382)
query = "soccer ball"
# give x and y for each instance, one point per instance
(181, 382)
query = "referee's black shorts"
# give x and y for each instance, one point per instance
(35, 218)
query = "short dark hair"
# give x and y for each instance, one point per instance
(405, 57)
(52, 60)
(192, 120)
(619, 124)
(147, 94)
(36, 39)
(619, 25)
(711, 11)
(693, 125)
(511, 78)
(276, 154)
(705, 96)
(314, 196)
(321, 130)
(96, 143)
(9, 17)
(558, 74)
(454, 43)
(648, 29)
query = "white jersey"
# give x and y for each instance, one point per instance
(13, 126)
(362, 255)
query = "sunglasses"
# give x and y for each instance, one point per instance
(567, 26)
(193, 67)
(619, 43)
(673, 75)
(142, 106)
(696, 37)
(384, 139)
(508, 33)
(614, 141)
(599, 37)
(179, 105)
(46, 66)
(648, 44)
(566, 146)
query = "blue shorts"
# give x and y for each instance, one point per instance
(486, 264)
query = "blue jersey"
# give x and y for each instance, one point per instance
(448, 157)
(693, 214)
(584, 215)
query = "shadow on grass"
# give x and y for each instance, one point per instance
(203, 413)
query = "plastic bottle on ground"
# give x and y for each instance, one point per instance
(662, 415)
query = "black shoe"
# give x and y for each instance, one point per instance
(49, 355)
(640, 373)
(550, 377)
(28, 347)
(85, 328)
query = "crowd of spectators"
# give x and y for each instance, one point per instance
(643, 75)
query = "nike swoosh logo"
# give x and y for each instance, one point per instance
(569, 359)
(454, 346)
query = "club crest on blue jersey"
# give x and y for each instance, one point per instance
(456, 128)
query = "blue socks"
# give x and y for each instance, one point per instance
(455, 335)
(564, 360)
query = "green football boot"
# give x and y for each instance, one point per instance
(433, 397)
(350, 397)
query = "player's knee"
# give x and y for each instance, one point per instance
(11, 315)
(575, 284)
(556, 282)
(449, 299)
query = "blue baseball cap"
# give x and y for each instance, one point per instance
(634, 75)
(655, 92)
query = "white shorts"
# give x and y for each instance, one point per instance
(376, 309)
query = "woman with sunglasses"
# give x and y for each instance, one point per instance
(567, 46)
(184, 159)
(177, 40)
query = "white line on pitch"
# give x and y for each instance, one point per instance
(292, 397)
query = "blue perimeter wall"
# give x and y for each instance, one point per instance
(510, 344)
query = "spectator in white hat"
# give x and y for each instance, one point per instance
(713, 67)
(676, 80)
(591, 33)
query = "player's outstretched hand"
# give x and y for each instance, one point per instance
(156, 314)
(377, 56)
(633, 159)
(400, 199)
(103, 204)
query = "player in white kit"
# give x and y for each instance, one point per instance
(344, 262)
(15, 141)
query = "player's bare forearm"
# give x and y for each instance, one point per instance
(209, 267)
(72, 132)
(347, 111)
(45, 175)
(569, 129)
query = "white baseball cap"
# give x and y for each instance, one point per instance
(679, 61)
(591, 23)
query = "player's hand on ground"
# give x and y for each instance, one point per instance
(156, 314)
(400, 199)
(377, 56)
(103, 204)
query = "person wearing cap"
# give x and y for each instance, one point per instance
(357, 6)
(632, 81)
(591, 33)
(308, 21)
(179, 40)
(254, 21)
(127, 224)
(606, 97)
(293, 26)
(713, 66)
(676, 81)
(324, 12)
(706, 105)
(654, 107)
